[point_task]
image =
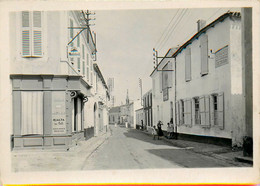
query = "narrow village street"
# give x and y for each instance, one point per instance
(132, 149)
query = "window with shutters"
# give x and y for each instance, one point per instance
(32, 34)
(196, 110)
(182, 110)
(204, 54)
(83, 68)
(87, 73)
(217, 112)
(187, 64)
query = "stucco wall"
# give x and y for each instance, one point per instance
(217, 80)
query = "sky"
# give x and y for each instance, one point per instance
(126, 38)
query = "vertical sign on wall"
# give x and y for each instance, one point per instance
(58, 113)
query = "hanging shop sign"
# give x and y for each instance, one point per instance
(58, 113)
(73, 52)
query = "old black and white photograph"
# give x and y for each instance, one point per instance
(130, 89)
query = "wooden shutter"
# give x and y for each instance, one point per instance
(204, 54)
(32, 112)
(188, 64)
(211, 108)
(181, 112)
(193, 111)
(185, 112)
(202, 110)
(221, 110)
(37, 33)
(26, 35)
(207, 122)
(160, 80)
(188, 113)
(177, 113)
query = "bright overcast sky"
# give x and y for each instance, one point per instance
(125, 39)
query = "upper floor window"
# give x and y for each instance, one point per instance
(32, 34)
(204, 54)
(187, 64)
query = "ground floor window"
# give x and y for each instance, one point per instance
(31, 112)
(197, 110)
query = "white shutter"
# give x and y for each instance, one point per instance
(202, 110)
(188, 113)
(160, 80)
(188, 64)
(32, 113)
(221, 110)
(185, 112)
(37, 33)
(181, 112)
(177, 113)
(193, 111)
(204, 54)
(207, 122)
(211, 108)
(26, 35)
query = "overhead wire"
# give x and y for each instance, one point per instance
(166, 35)
(173, 28)
(167, 28)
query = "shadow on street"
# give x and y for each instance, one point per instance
(139, 135)
(188, 159)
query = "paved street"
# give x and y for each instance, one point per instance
(122, 148)
(132, 149)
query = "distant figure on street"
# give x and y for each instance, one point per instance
(171, 129)
(159, 128)
(154, 132)
(168, 131)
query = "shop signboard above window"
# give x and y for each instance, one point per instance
(73, 52)
(221, 57)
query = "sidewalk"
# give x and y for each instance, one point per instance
(223, 153)
(54, 160)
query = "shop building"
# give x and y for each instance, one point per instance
(52, 77)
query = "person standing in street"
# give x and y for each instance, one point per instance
(159, 128)
(172, 135)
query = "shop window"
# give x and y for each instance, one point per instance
(32, 34)
(31, 112)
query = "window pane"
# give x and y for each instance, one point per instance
(32, 112)
(25, 19)
(37, 19)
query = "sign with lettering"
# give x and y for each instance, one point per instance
(58, 112)
(221, 57)
(165, 94)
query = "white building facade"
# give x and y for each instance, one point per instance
(52, 76)
(207, 94)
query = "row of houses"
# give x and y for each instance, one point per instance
(200, 85)
(59, 94)
(125, 113)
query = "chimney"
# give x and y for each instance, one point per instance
(201, 24)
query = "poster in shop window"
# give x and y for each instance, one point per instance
(58, 113)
